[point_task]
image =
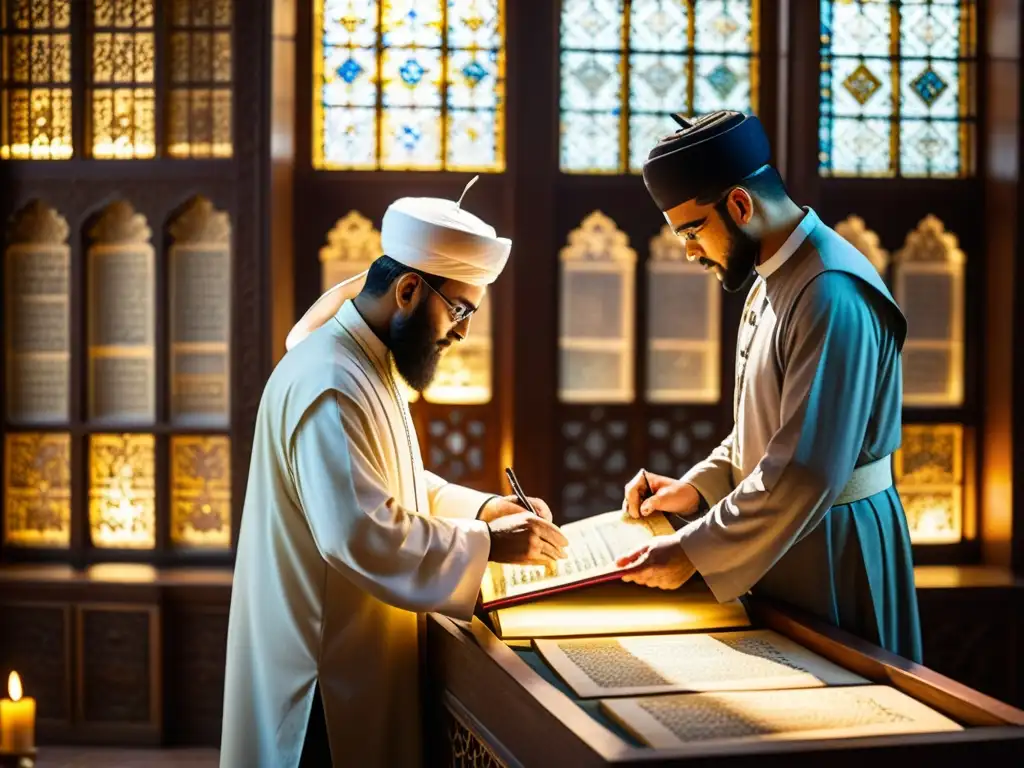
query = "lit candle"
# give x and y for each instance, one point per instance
(17, 719)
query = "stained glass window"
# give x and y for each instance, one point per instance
(37, 490)
(121, 77)
(201, 492)
(35, 81)
(122, 491)
(627, 64)
(409, 85)
(199, 102)
(896, 87)
(929, 476)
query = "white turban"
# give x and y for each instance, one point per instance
(432, 235)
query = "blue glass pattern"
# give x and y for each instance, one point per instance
(929, 86)
(474, 72)
(349, 71)
(411, 72)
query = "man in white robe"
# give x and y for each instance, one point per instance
(797, 503)
(345, 538)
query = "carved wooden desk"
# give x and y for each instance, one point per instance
(492, 703)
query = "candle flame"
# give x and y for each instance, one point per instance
(14, 686)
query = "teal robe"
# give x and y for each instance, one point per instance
(818, 393)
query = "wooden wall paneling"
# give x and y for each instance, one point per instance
(119, 691)
(37, 644)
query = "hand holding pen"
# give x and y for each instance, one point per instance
(648, 492)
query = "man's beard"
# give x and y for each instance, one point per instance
(740, 257)
(414, 346)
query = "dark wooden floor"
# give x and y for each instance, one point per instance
(93, 757)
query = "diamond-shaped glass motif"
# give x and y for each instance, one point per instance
(862, 84)
(659, 23)
(928, 31)
(410, 137)
(659, 78)
(592, 76)
(593, 22)
(723, 80)
(724, 26)
(411, 72)
(349, 71)
(929, 86)
(474, 72)
(930, 144)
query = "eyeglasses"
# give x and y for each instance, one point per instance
(457, 312)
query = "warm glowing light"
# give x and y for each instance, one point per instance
(54, 150)
(14, 687)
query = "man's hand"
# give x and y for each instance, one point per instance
(500, 506)
(661, 563)
(670, 495)
(525, 538)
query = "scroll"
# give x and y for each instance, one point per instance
(594, 545)
(726, 661)
(727, 719)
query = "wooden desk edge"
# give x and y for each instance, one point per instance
(991, 720)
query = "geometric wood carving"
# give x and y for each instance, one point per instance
(928, 284)
(855, 232)
(678, 438)
(121, 309)
(199, 264)
(596, 314)
(594, 462)
(117, 664)
(456, 444)
(683, 325)
(34, 643)
(37, 316)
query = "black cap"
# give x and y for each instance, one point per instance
(705, 155)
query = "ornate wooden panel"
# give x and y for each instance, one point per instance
(118, 674)
(595, 460)
(459, 444)
(463, 745)
(196, 641)
(974, 637)
(679, 437)
(35, 643)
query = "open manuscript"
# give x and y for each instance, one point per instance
(594, 545)
(727, 661)
(748, 716)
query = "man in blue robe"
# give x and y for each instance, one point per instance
(797, 503)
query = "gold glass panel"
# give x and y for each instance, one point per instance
(596, 321)
(929, 477)
(122, 491)
(200, 312)
(464, 372)
(121, 78)
(199, 119)
(201, 492)
(37, 490)
(38, 328)
(35, 79)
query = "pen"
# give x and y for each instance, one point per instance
(517, 489)
(650, 490)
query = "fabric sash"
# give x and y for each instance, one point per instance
(867, 480)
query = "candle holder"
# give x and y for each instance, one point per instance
(18, 759)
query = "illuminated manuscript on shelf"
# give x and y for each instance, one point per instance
(201, 492)
(121, 298)
(683, 336)
(37, 490)
(650, 664)
(122, 491)
(199, 264)
(594, 545)
(595, 336)
(733, 718)
(37, 315)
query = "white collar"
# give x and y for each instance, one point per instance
(794, 241)
(350, 319)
